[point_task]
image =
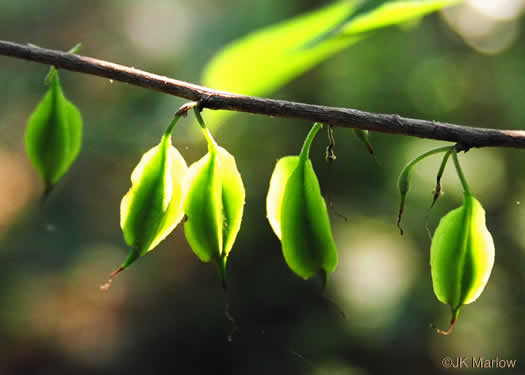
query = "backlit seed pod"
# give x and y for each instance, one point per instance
(54, 134)
(213, 205)
(461, 256)
(152, 207)
(297, 214)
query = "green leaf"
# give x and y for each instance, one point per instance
(213, 205)
(267, 59)
(297, 213)
(273, 53)
(461, 256)
(389, 13)
(152, 208)
(54, 134)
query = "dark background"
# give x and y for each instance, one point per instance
(166, 314)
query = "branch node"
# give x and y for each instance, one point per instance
(397, 120)
(203, 101)
(462, 146)
(183, 110)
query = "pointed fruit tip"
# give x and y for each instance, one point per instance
(221, 267)
(324, 278)
(104, 287)
(445, 332)
(45, 195)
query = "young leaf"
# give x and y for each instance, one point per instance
(277, 51)
(152, 207)
(286, 50)
(213, 205)
(387, 13)
(297, 213)
(54, 134)
(461, 256)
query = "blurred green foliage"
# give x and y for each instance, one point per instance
(166, 315)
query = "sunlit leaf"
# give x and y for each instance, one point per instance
(393, 12)
(263, 61)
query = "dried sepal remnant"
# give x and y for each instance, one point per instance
(54, 134)
(213, 205)
(297, 214)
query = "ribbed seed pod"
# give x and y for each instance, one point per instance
(213, 205)
(54, 134)
(152, 207)
(461, 256)
(297, 214)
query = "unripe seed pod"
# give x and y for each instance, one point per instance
(297, 214)
(461, 256)
(213, 205)
(54, 134)
(152, 208)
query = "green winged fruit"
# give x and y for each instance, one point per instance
(152, 207)
(54, 134)
(213, 204)
(461, 256)
(297, 214)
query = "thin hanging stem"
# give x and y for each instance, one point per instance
(200, 120)
(181, 112)
(172, 124)
(427, 154)
(53, 70)
(461, 176)
(305, 151)
(404, 179)
(211, 142)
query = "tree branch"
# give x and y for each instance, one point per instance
(465, 136)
